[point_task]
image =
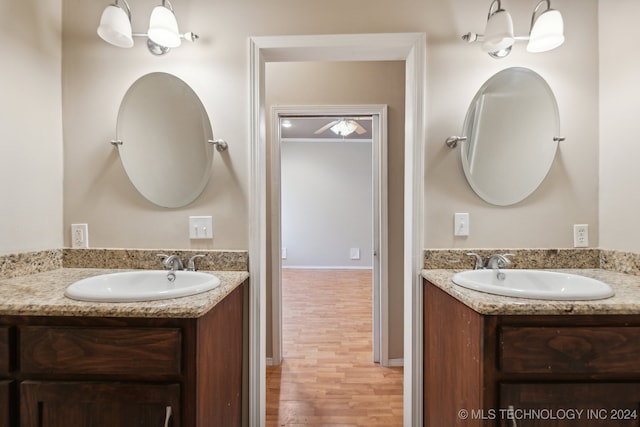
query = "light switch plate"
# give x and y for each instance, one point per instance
(200, 227)
(461, 224)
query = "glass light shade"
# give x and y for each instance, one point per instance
(499, 32)
(115, 27)
(501, 53)
(163, 27)
(344, 128)
(547, 32)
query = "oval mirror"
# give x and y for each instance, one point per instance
(164, 130)
(511, 128)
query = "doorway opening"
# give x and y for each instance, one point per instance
(407, 47)
(323, 236)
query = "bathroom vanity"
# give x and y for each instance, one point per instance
(500, 361)
(175, 362)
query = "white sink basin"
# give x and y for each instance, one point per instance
(146, 285)
(537, 284)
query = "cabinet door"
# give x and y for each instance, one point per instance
(56, 404)
(5, 411)
(569, 405)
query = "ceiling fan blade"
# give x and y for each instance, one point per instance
(325, 127)
(359, 129)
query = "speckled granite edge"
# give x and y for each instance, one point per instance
(217, 260)
(42, 294)
(523, 258)
(24, 263)
(622, 262)
(625, 301)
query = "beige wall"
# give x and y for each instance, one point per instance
(619, 147)
(356, 83)
(569, 194)
(96, 76)
(30, 126)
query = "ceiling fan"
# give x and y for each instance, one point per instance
(342, 127)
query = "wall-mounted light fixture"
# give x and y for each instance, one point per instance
(162, 35)
(546, 31)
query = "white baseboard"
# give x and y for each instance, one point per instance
(335, 267)
(393, 363)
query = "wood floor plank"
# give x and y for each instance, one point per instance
(328, 377)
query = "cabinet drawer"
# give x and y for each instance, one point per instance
(4, 351)
(132, 352)
(80, 404)
(570, 349)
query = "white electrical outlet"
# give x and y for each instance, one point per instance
(355, 253)
(80, 236)
(284, 253)
(461, 224)
(200, 227)
(580, 235)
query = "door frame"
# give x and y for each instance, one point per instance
(380, 288)
(408, 47)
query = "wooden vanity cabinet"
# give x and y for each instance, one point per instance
(112, 372)
(478, 368)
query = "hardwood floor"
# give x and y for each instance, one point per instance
(327, 377)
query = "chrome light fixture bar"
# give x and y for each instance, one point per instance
(546, 31)
(163, 34)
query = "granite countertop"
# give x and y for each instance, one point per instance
(625, 301)
(42, 294)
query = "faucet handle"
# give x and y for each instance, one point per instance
(479, 265)
(499, 261)
(507, 260)
(191, 265)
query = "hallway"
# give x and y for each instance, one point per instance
(327, 377)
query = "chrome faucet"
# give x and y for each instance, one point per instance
(498, 261)
(479, 265)
(191, 265)
(171, 262)
(494, 262)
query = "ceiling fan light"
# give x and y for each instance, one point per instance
(547, 32)
(501, 53)
(498, 34)
(115, 27)
(163, 27)
(344, 127)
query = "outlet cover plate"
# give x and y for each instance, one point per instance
(80, 236)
